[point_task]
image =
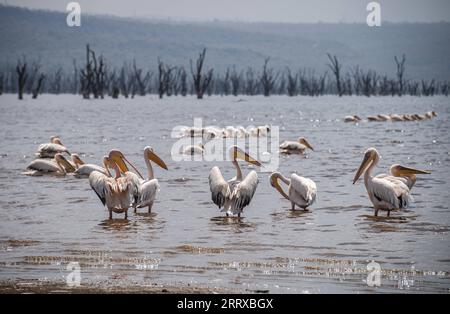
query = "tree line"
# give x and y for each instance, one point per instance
(96, 79)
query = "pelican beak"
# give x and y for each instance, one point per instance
(121, 161)
(365, 163)
(306, 143)
(107, 164)
(274, 182)
(407, 171)
(62, 161)
(155, 158)
(244, 156)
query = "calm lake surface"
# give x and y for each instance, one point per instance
(47, 222)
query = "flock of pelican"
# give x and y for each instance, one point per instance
(124, 189)
(212, 132)
(393, 117)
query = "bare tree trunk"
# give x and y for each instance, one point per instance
(38, 86)
(201, 82)
(267, 79)
(21, 70)
(400, 73)
(335, 67)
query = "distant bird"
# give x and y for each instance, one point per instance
(353, 118)
(292, 147)
(430, 114)
(384, 117)
(234, 195)
(396, 118)
(59, 166)
(407, 117)
(48, 150)
(301, 191)
(385, 192)
(198, 149)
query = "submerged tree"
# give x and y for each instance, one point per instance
(400, 73)
(201, 80)
(335, 67)
(268, 78)
(22, 76)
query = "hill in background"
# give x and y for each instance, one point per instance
(44, 35)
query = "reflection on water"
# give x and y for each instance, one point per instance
(49, 221)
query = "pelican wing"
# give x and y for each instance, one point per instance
(147, 192)
(50, 149)
(43, 165)
(86, 169)
(244, 191)
(98, 182)
(405, 180)
(305, 187)
(220, 189)
(391, 191)
(133, 183)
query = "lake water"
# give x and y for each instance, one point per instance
(47, 222)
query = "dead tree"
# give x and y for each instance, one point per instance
(141, 82)
(292, 83)
(235, 82)
(400, 73)
(38, 87)
(1, 83)
(183, 81)
(161, 79)
(22, 76)
(225, 83)
(125, 81)
(335, 67)
(87, 76)
(268, 78)
(251, 87)
(201, 81)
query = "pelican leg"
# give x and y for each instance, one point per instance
(376, 212)
(150, 208)
(293, 205)
(239, 215)
(110, 215)
(135, 209)
(388, 213)
(126, 214)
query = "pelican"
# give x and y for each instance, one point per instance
(373, 119)
(198, 149)
(234, 195)
(48, 150)
(395, 117)
(405, 174)
(114, 192)
(418, 117)
(301, 191)
(407, 117)
(83, 170)
(385, 192)
(384, 117)
(353, 118)
(430, 114)
(292, 147)
(59, 166)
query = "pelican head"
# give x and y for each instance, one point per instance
(150, 155)
(63, 163)
(401, 171)
(77, 160)
(370, 156)
(305, 142)
(117, 157)
(237, 153)
(274, 182)
(56, 140)
(357, 117)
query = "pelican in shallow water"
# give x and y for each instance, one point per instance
(430, 114)
(301, 191)
(405, 174)
(353, 118)
(58, 166)
(118, 192)
(146, 189)
(292, 147)
(386, 192)
(234, 195)
(396, 117)
(48, 150)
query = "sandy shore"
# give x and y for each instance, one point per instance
(48, 287)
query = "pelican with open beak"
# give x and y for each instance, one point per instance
(234, 195)
(386, 192)
(295, 147)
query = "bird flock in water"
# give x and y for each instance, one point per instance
(120, 189)
(394, 117)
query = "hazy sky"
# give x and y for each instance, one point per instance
(258, 10)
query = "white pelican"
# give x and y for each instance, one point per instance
(385, 192)
(59, 166)
(143, 191)
(292, 147)
(353, 118)
(430, 114)
(198, 149)
(83, 170)
(48, 150)
(407, 117)
(117, 193)
(301, 191)
(396, 118)
(405, 174)
(233, 195)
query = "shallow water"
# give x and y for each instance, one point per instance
(50, 221)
